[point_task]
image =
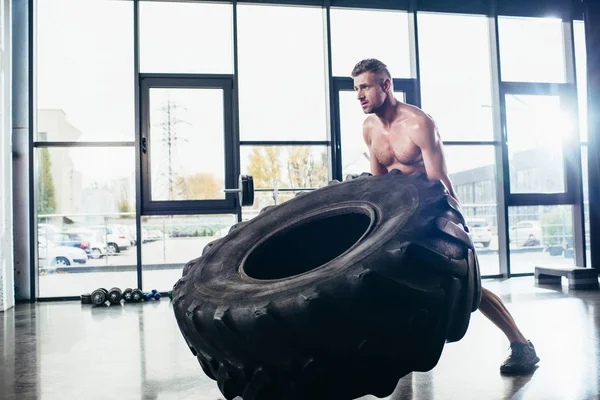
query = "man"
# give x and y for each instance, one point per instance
(401, 136)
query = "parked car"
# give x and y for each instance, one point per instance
(62, 237)
(96, 245)
(526, 233)
(116, 241)
(51, 254)
(156, 234)
(129, 231)
(481, 232)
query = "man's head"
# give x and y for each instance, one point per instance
(372, 83)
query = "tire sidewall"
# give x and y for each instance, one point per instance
(219, 275)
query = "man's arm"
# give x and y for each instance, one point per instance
(424, 134)
(376, 167)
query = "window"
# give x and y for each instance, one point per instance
(454, 53)
(85, 81)
(540, 235)
(86, 219)
(531, 50)
(186, 37)
(535, 143)
(471, 168)
(282, 74)
(352, 40)
(187, 143)
(169, 242)
(286, 166)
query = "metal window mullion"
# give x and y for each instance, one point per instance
(414, 52)
(33, 258)
(502, 170)
(284, 143)
(139, 178)
(574, 166)
(84, 144)
(236, 165)
(470, 143)
(334, 154)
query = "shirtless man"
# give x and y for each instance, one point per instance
(401, 136)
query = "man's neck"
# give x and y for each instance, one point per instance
(387, 113)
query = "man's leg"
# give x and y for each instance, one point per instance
(492, 307)
(523, 357)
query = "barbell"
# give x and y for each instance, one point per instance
(245, 190)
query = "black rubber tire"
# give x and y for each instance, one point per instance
(273, 312)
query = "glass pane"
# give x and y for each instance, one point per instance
(169, 242)
(186, 37)
(85, 80)
(535, 143)
(286, 166)
(355, 154)
(292, 46)
(187, 144)
(86, 219)
(581, 69)
(540, 235)
(463, 86)
(268, 197)
(472, 171)
(531, 50)
(350, 43)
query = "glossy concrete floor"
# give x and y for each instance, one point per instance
(67, 350)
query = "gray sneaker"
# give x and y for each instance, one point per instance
(522, 359)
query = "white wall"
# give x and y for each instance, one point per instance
(7, 297)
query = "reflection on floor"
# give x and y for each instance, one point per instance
(67, 351)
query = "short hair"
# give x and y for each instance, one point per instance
(371, 65)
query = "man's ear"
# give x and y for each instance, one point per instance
(387, 84)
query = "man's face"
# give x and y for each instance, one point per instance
(369, 91)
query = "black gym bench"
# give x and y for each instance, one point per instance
(579, 278)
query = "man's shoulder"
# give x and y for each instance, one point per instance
(418, 118)
(368, 124)
(415, 113)
(369, 121)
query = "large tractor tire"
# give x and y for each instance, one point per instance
(334, 294)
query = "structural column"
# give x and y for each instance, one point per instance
(592, 34)
(24, 248)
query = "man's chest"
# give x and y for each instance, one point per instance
(390, 146)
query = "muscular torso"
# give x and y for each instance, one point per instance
(392, 146)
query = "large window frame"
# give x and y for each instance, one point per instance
(573, 193)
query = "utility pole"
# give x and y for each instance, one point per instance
(170, 138)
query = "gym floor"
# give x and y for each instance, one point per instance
(66, 350)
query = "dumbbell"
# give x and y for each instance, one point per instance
(86, 298)
(133, 295)
(152, 295)
(115, 295)
(99, 296)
